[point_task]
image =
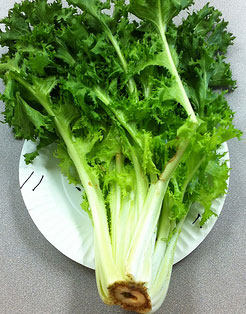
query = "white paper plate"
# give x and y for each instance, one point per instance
(54, 206)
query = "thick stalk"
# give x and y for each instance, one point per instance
(115, 207)
(148, 221)
(151, 213)
(165, 224)
(145, 229)
(107, 272)
(123, 211)
(164, 227)
(161, 278)
(159, 288)
(126, 228)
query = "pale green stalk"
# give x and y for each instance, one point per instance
(115, 207)
(145, 228)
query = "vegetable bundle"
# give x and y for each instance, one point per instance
(137, 109)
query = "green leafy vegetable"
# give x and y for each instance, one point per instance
(138, 112)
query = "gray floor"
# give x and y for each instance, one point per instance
(35, 278)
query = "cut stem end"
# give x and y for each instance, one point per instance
(131, 296)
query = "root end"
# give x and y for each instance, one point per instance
(131, 296)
